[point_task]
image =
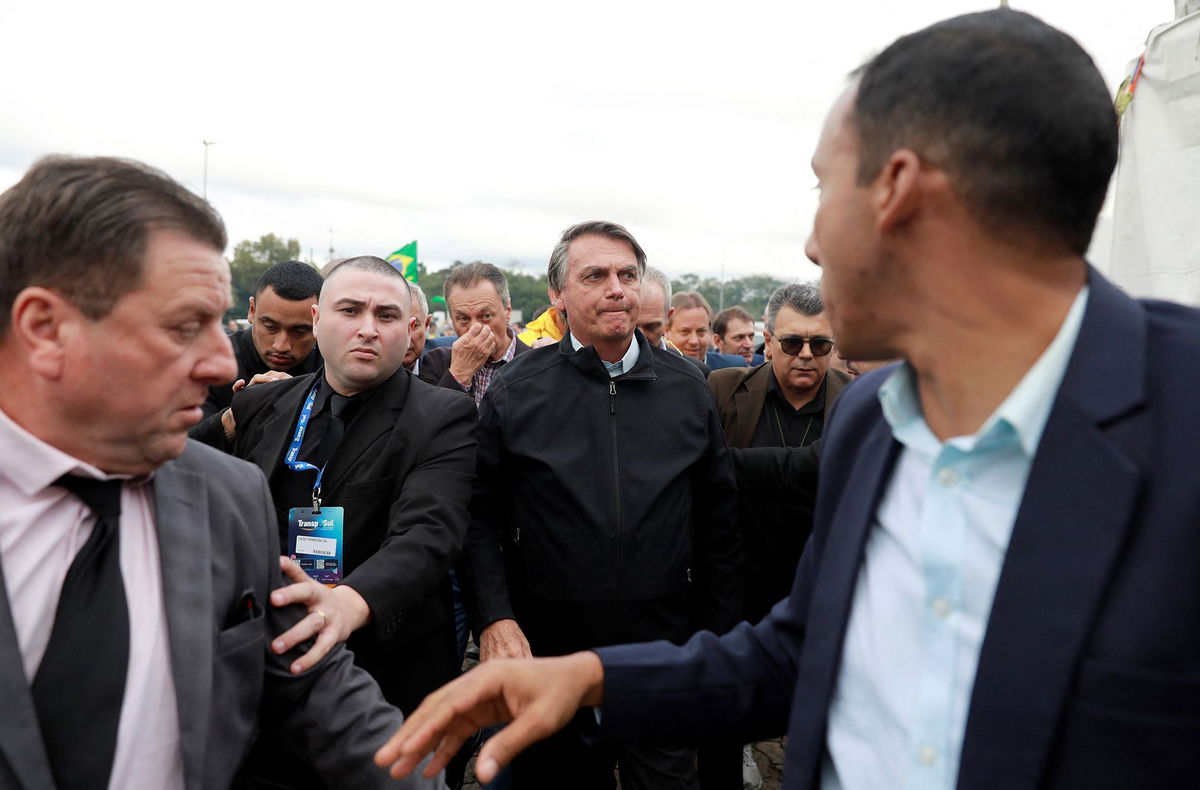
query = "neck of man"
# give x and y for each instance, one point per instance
(610, 349)
(797, 398)
(342, 387)
(981, 332)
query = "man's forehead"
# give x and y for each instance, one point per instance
(836, 132)
(365, 286)
(789, 320)
(594, 250)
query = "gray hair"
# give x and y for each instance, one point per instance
(556, 272)
(469, 274)
(659, 278)
(804, 298)
(415, 291)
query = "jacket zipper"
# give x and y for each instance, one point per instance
(616, 533)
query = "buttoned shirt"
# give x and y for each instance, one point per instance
(483, 377)
(621, 365)
(42, 528)
(929, 574)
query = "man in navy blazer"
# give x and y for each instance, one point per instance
(1003, 583)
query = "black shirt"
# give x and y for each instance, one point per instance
(294, 489)
(781, 425)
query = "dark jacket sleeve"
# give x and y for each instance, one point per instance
(717, 542)
(484, 574)
(774, 473)
(427, 521)
(209, 431)
(435, 369)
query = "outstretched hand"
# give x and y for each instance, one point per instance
(537, 695)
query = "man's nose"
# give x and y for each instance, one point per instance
(811, 250)
(216, 364)
(282, 341)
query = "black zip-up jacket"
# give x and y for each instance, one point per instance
(601, 494)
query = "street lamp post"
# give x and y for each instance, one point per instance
(207, 143)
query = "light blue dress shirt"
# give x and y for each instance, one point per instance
(929, 574)
(621, 365)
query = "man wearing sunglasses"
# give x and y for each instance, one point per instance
(784, 402)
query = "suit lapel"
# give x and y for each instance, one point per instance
(20, 740)
(181, 513)
(833, 590)
(1073, 519)
(274, 432)
(749, 399)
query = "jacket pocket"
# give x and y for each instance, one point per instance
(240, 635)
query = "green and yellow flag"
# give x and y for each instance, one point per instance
(405, 259)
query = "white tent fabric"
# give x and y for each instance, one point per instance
(1156, 209)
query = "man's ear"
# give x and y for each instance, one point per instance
(316, 315)
(44, 323)
(555, 299)
(250, 311)
(896, 194)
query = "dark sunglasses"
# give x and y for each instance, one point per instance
(821, 346)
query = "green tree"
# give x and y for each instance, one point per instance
(751, 291)
(250, 260)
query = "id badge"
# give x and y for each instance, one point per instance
(315, 542)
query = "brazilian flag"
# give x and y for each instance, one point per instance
(405, 259)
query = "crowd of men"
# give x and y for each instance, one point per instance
(972, 568)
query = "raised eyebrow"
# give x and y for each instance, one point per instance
(346, 301)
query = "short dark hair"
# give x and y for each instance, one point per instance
(79, 226)
(804, 298)
(373, 264)
(556, 271)
(468, 274)
(735, 313)
(292, 280)
(1013, 110)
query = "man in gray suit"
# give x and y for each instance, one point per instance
(137, 566)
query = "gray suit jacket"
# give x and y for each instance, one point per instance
(217, 540)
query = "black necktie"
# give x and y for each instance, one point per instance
(80, 683)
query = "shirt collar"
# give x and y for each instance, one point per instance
(1025, 410)
(33, 465)
(626, 362)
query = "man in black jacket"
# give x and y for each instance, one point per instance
(280, 336)
(604, 507)
(396, 457)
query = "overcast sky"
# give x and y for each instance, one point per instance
(480, 129)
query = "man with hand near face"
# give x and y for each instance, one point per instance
(479, 306)
(603, 511)
(392, 458)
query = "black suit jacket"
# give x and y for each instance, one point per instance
(403, 471)
(1089, 670)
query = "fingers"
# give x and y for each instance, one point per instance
(326, 640)
(534, 724)
(292, 570)
(239, 385)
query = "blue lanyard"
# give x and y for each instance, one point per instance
(290, 461)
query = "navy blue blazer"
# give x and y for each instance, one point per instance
(1089, 672)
